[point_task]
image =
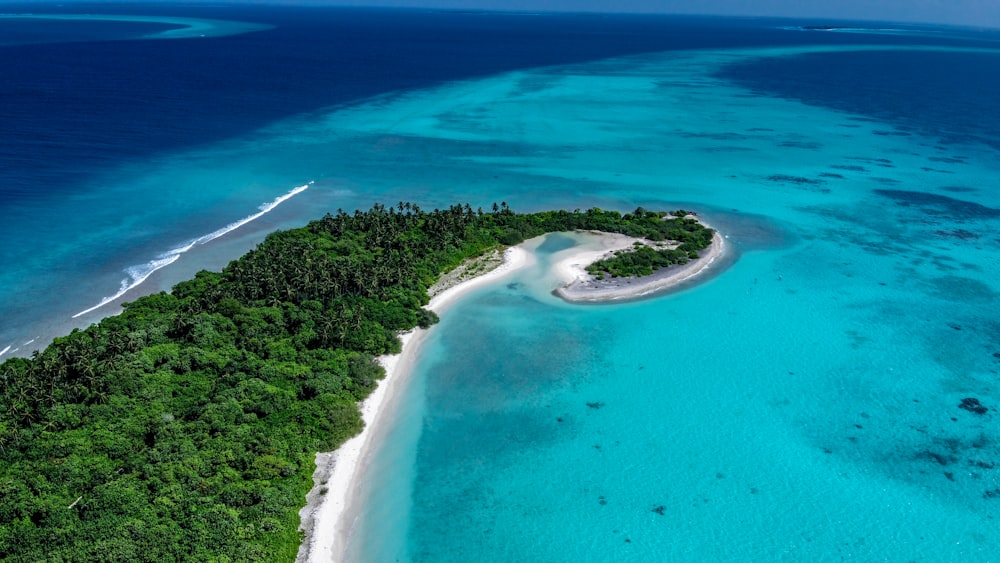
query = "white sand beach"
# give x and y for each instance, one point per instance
(573, 262)
(330, 510)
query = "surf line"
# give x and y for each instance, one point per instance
(139, 273)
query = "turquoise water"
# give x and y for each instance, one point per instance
(804, 405)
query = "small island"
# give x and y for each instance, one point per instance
(674, 248)
(187, 426)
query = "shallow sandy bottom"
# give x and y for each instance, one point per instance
(331, 508)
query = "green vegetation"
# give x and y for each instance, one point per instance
(185, 428)
(687, 235)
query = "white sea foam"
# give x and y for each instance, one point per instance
(4, 351)
(139, 273)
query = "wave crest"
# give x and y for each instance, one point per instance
(139, 273)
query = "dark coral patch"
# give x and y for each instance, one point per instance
(812, 145)
(793, 179)
(973, 405)
(960, 234)
(948, 159)
(935, 204)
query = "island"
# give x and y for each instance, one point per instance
(187, 426)
(620, 267)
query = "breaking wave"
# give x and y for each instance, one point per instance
(139, 273)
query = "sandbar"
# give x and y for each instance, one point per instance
(579, 285)
(331, 506)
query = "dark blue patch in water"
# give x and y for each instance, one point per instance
(934, 204)
(948, 95)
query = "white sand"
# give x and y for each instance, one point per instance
(581, 286)
(328, 518)
(572, 266)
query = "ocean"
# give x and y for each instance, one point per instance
(810, 402)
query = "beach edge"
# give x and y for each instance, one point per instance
(328, 517)
(577, 282)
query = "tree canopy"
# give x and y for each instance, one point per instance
(687, 235)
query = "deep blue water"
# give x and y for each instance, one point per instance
(948, 96)
(85, 104)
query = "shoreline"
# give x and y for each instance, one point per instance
(579, 286)
(328, 517)
(332, 505)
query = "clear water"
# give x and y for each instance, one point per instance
(804, 405)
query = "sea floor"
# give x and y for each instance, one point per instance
(806, 403)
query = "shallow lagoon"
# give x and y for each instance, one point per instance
(756, 416)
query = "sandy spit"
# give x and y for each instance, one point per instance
(581, 286)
